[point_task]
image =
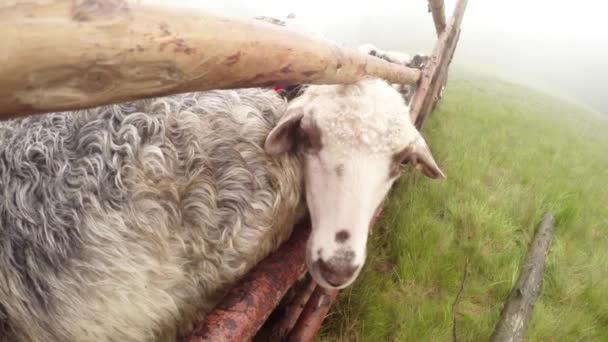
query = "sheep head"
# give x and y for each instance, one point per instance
(354, 141)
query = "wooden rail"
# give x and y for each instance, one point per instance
(286, 317)
(313, 315)
(437, 8)
(434, 75)
(73, 54)
(247, 306)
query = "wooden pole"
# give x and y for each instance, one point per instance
(71, 54)
(518, 307)
(313, 315)
(437, 8)
(289, 314)
(246, 307)
(318, 306)
(434, 74)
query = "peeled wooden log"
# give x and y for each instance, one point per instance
(518, 308)
(72, 54)
(427, 93)
(437, 8)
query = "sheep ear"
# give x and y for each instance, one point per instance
(419, 154)
(282, 138)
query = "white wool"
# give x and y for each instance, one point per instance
(391, 56)
(367, 116)
(367, 48)
(396, 57)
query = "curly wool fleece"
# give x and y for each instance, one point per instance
(127, 222)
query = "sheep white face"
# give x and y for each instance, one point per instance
(353, 140)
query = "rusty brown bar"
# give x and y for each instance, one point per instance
(434, 74)
(437, 8)
(73, 54)
(313, 315)
(243, 311)
(319, 305)
(279, 330)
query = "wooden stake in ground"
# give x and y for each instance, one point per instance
(437, 8)
(518, 308)
(434, 75)
(71, 54)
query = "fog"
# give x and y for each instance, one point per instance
(555, 45)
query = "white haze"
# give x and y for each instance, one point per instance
(556, 45)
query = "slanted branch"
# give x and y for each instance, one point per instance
(437, 8)
(518, 308)
(73, 54)
(434, 75)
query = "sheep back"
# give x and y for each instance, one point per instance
(127, 222)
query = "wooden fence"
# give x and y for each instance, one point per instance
(245, 309)
(72, 54)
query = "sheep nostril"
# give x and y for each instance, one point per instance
(335, 273)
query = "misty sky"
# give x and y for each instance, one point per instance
(557, 45)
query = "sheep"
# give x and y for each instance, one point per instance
(129, 222)
(419, 61)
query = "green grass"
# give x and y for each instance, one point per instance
(510, 154)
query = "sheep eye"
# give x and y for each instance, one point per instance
(406, 161)
(400, 162)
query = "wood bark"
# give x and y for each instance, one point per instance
(247, 306)
(518, 308)
(437, 9)
(282, 321)
(313, 315)
(434, 73)
(72, 54)
(318, 306)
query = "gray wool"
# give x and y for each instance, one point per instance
(128, 222)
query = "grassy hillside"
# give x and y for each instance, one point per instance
(509, 155)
